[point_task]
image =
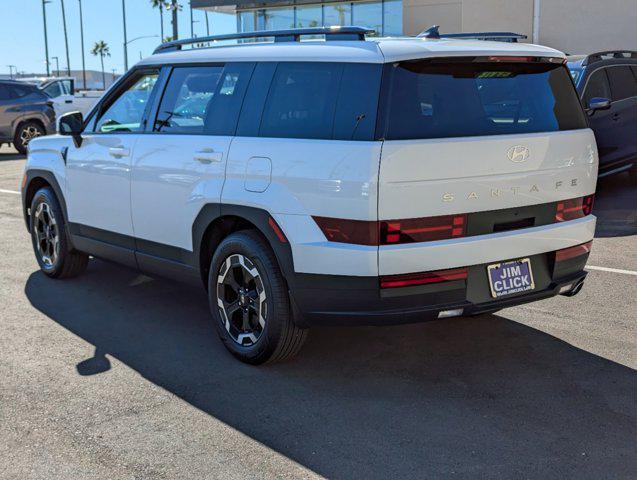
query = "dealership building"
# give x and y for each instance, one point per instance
(573, 26)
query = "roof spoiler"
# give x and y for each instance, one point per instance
(599, 56)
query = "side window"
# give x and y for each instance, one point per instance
(357, 102)
(622, 82)
(5, 94)
(204, 99)
(301, 101)
(53, 90)
(126, 112)
(597, 86)
(67, 87)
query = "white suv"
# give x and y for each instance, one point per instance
(345, 181)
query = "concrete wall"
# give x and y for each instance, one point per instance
(585, 26)
(573, 26)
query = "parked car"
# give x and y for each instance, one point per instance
(25, 113)
(610, 76)
(350, 182)
(61, 90)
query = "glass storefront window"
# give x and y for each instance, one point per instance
(393, 17)
(309, 16)
(368, 15)
(337, 14)
(245, 21)
(386, 17)
(279, 18)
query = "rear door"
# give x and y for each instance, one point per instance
(180, 164)
(6, 117)
(465, 136)
(602, 121)
(623, 86)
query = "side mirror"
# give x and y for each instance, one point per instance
(598, 103)
(71, 124)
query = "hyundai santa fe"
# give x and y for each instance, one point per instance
(337, 181)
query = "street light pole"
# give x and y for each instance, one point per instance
(125, 42)
(207, 24)
(82, 41)
(192, 32)
(57, 65)
(11, 67)
(66, 40)
(46, 39)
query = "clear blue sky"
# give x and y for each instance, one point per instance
(22, 31)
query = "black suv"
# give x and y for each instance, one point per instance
(609, 80)
(26, 112)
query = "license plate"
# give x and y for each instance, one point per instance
(507, 278)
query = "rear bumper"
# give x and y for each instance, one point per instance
(337, 300)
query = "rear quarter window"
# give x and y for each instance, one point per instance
(443, 98)
(622, 82)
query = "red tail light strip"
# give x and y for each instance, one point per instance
(572, 252)
(424, 278)
(426, 229)
(574, 208)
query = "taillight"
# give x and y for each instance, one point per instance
(360, 232)
(393, 232)
(574, 208)
(424, 278)
(572, 252)
(426, 229)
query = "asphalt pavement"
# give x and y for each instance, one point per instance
(113, 375)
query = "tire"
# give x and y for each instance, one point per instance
(244, 262)
(26, 132)
(49, 238)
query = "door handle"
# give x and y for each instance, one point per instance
(208, 155)
(119, 152)
(68, 101)
(616, 116)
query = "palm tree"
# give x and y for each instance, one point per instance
(174, 7)
(101, 48)
(160, 4)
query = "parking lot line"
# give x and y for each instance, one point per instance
(9, 191)
(611, 270)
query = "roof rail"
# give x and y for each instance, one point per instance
(597, 56)
(291, 35)
(434, 32)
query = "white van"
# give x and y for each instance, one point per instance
(348, 181)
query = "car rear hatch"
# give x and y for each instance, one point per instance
(477, 149)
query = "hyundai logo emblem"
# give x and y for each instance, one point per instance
(518, 154)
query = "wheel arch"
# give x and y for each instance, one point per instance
(215, 222)
(35, 180)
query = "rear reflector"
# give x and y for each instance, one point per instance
(574, 208)
(572, 252)
(277, 230)
(424, 278)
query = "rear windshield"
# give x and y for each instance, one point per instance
(439, 99)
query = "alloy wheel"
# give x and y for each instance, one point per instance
(241, 299)
(47, 235)
(28, 133)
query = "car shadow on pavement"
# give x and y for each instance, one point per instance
(480, 397)
(616, 206)
(11, 156)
